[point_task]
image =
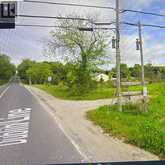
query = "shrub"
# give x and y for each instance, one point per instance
(79, 82)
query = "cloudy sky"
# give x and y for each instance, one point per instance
(26, 42)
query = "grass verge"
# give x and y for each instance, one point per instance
(63, 92)
(145, 130)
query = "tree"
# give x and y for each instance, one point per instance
(39, 72)
(135, 71)
(7, 68)
(112, 73)
(152, 73)
(23, 67)
(124, 71)
(59, 72)
(86, 49)
(162, 72)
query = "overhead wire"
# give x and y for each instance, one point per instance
(69, 4)
(63, 27)
(95, 6)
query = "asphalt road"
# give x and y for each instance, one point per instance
(28, 134)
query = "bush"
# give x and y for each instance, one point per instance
(79, 82)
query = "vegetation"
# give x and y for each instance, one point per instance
(64, 79)
(82, 51)
(146, 130)
(152, 73)
(7, 69)
(39, 73)
(63, 92)
(22, 69)
(86, 50)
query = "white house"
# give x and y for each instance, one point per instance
(101, 77)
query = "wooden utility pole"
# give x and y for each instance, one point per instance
(141, 54)
(142, 67)
(118, 83)
(30, 82)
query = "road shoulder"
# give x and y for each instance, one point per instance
(88, 139)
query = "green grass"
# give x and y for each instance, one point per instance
(101, 92)
(146, 130)
(62, 92)
(2, 82)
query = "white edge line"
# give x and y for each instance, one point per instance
(4, 91)
(62, 128)
(70, 139)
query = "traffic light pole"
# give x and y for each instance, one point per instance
(118, 83)
(142, 67)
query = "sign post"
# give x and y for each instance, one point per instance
(49, 79)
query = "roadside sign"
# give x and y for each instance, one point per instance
(145, 92)
(7, 14)
(49, 78)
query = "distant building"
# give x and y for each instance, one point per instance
(101, 77)
(113, 78)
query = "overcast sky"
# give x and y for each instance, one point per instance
(25, 42)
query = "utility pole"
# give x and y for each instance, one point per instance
(141, 53)
(142, 67)
(30, 82)
(118, 83)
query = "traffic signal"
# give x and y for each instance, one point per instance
(137, 44)
(113, 42)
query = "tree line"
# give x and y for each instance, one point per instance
(7, 69)
(38, 72)
(152, 73)
(68, 74)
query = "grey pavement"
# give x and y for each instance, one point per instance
(46, 143)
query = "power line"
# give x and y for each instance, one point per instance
(156, 26)
(30, 25)
(142, 12)
(94, 6)
(65, 18)
(145, 25)
(63, 27)
(52, 17)
(69, 4)
(101, 28)
(85, 19)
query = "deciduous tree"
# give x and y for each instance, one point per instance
(83, 47)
